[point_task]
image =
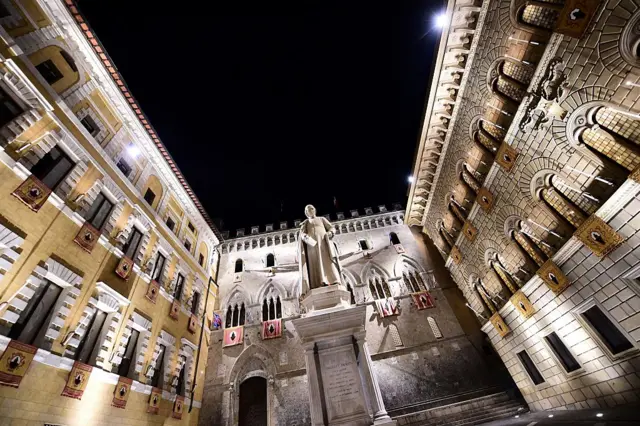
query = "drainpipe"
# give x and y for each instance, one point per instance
(204, 316)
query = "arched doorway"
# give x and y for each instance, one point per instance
(253, 402)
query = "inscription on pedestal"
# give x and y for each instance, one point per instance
(342, 385)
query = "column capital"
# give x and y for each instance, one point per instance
(309, 346)
(361, 336)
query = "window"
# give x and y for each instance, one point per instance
(99, 211)
(158, 367)
(9, 109)
(90, 125)
(177, 294)
(271, 309)
(29, 326)
(393, 237)
(364, 245)
(124, 167)
(49, 71)
(195, 302)
(239, 266)
(131, 247)
(379, 288)
(87, 345)
(235, 315)
(53, 167)
(125, 369)
(171, 224)
(191, 227)
(562, 353)
(606, 331)
(531, 368)
(187, 245)
(271, 260)
(201, 259)
(158, 267)
(149, 196)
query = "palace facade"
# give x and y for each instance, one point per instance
(527, 180)
(106, 255)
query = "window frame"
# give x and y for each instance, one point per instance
(63, 155)
(123, 163)
(569, 374)
(91, 123)
(125, 247)
(595, 335)
(545, 384)
(106, 199)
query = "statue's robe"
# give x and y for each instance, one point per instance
(318, 263)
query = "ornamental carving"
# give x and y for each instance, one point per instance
(498, 323)
(553, 277)
(470, 232)
(522, 304)
(485, 199)
(598, 236)
(456, 255)
(506, 157)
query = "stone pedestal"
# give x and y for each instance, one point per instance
(342, 387)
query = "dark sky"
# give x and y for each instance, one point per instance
(264, 114)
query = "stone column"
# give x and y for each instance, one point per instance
(380, 415)
(315, 403)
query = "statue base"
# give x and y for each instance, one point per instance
(326, 299)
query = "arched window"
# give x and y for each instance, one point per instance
(611, 134)
(236, 314)
(413, 281)
(504, 276)
(393, 237)
(532, 251)
(379, 288)
(486, 302)
(470, 181)
(239, 266)
(271, 260)
(457, 210)
(560, 205)
(434, 328)
(539, 15)
(271, 309)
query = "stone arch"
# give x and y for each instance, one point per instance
(153, 183)
(404, 261)
(371, 270)
(237, 294)
(246, 366)
(350, 278)
(271, 288)
(71, 80)
(203, 249)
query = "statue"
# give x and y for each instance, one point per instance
(317, 254)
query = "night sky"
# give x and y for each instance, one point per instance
(265, 114)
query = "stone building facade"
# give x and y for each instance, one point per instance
(105, 253)
(423, 359)
(527, 181)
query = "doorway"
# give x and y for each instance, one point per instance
(253, 402)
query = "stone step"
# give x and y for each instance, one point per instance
(474, 416)
(473, 411)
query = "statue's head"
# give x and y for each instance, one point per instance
(310, 211)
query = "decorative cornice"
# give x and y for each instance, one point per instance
(74, 20)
